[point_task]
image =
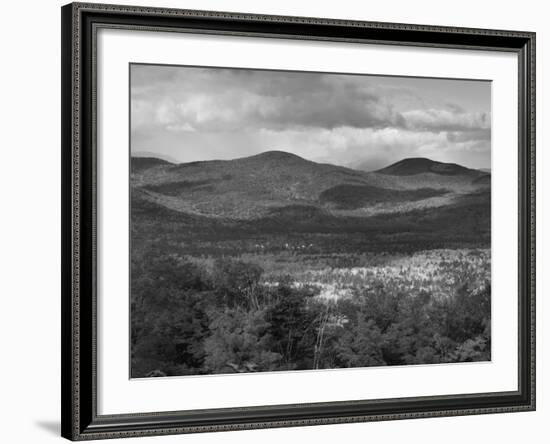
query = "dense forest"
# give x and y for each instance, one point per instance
(188, 320)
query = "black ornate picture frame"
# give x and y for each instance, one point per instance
(80, 419)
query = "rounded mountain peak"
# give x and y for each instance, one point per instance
(419, 165)
(276, 155)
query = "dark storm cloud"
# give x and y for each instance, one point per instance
(342, 119)
(222, 100)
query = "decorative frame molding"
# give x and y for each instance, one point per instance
(80, 22)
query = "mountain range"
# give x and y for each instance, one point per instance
(257, 186)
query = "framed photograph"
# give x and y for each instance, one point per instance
(281, 221)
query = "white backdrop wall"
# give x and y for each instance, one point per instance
(30, 222)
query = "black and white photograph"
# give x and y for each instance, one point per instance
(285, 221)
(275, 222)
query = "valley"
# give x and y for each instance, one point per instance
(240, 244)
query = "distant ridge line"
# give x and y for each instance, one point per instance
(404, 167)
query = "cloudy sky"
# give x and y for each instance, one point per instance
(366, 122)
